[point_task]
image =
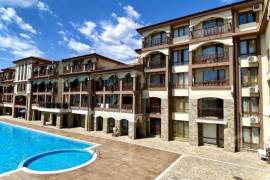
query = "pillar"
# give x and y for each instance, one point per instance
(118, 125)
(70, 120)
(33, 116)
(87, 122)
(193, 125)
(165, 119)
(59, 120)
(43, 121)
(95, 123)
(105, 125)
(51, 118)
(132, 129)
(229, 128)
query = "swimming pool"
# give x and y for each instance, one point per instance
(34, 150)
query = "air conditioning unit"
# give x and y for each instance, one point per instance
(254, 119)
(107, 106)
(254, 89)
(257, 7)
(252, 59)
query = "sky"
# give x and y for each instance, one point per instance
(58, 29)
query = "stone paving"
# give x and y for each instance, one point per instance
(206, 162)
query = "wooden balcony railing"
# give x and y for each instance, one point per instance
(127, 86)
(216, 113)
(54, 105)
(211, 83)
(112, 88)
(127, 106)
(154, 109)
(113, 106)
(75, 89)
(156, 85)
(179, 86)
(155, 66)
(155, 42)
(214, 58)
(199, 33)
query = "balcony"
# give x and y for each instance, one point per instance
(179, 86)
(155, 42)
(156, 109)
(114, 87)
(212, 113)
(127, 107)
(156, 85)
(54, 105)
(156, 66)
(77, 68)
(211, 83)
(213, 58)
(75, 88)
(127, 86)
(200, 33)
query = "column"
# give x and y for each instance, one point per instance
(95, 124)
(59, 120)
(105, 125)
(43, 121)
(87, 122)
(70, 120)
(51, 118)
(118, 125)
(229, 128)
(132, 129)
(134, 96)
(33, 116)
(165, 119)
(193, 125)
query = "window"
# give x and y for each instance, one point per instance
(180, 129)
(181, 31)
(158, 79)
(180, 104)
(180, 57)
(251, 137)
(180, 80)
(250, 106)
(247, 17)
(249, 76)
(214, 75)
(216, 49)
(248, 47)
(156, 60)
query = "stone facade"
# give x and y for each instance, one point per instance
(165, 119)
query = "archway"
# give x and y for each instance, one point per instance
(99, 123)
(111, 124)
(124, 127)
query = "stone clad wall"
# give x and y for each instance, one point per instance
(165, 119)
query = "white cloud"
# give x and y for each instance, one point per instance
(131, 12)
(115, 39)
(18, 46)
(87, 28)
(19, 3)
(9, 15)
(25, 36)
(78, 47)
(43, 7)
(228, 1)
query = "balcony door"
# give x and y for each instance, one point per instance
(155, 126)
(213, 134)
(214, 75)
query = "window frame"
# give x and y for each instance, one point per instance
(249, 82)
(178, 30)
(250, 112)
(245, 15)
(248, 47)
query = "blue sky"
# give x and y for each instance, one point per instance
(58, 29)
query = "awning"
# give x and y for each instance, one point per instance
(81, 79)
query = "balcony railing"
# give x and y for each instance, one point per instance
(155, 66)
(127, 86)
(20, 103)
(75, 104)
(155, 42)
(213, 58)
(216, 113)
(211, 83)
(199, 33)
(179, 86)
(178, 63)
(75, 89)
(112, 106)
(54, 105)
(77, 68)
(127, 106)
(156, 85)
(154, 109)
(112, 88)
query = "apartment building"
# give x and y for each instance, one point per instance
(202, 78)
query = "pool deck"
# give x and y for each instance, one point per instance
(123, 158)
(117, 160)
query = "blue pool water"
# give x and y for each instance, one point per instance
(56, 161)
(19, 144)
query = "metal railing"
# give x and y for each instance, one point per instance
(216, 113)
(155, 42)
(199, 33)
(213, 58)
(211, 83)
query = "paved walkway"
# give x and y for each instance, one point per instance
(204, 162)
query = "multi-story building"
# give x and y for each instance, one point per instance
(201, 78)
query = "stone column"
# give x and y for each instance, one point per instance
(164, 119)
(132, 129)
(193, 125)
(87, 122)
(43, 121)
(59, 120)
(33, 116)
(70, 120)
(51, 118)
(105, 125)
(118, 125)
(229, 129)
(95, 124)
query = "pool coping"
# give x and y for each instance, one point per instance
(89, 149)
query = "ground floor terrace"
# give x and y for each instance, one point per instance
(150, 158)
